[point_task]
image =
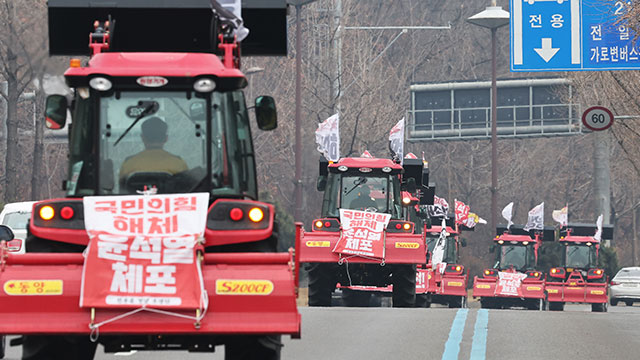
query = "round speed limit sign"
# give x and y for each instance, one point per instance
(597, 118)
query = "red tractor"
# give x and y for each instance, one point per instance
(445, 283)
(578, 278)
(149, 59)
(373, 185)
(514, 280)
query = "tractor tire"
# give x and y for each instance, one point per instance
(628, 302)
(456, 303)
(404, 286)
(375, 301)
(253, 348)
(320, 284)
(600, 307)
(556, 306)
(52, 347)
(354, 298)
(3, 346)
(614, 302)
(38, 347)
(422, 301)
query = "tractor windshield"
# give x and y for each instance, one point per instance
(520, 257)
(358, 192)
(450, 250)
(161, 139)
(580, 256)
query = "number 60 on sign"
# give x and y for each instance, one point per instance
(597, 118)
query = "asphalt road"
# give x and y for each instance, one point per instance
(440, 333)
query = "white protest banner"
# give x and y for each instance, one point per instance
(396, 140)
(328, 138)
(561, 216)
(507, 214)
(536, 218)
(362, 233)
(462, 211)
(510, 284)
(438, 249)
(141, 251)
(598, 235)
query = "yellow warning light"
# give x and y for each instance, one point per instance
(319, 224)
(406, 226)
(256, 214)
(46, 212)
(75, 63)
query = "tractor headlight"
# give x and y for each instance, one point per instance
(204, 85)
(100, 83)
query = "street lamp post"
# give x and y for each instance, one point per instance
(492, 18)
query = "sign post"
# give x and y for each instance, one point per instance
(571, 35)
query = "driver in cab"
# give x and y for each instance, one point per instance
(363, 200)
(153, 158)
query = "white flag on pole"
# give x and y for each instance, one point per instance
(598, 235)
(536, 218)
(396, 140)
(438, 249)
(507, 214)
(328, 138)
(561, 216)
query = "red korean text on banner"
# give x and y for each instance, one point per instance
(362, 233)
(421, 280)
(141, 251)
(462, 211)
(509, 284)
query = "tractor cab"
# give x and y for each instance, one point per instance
(370, 184)
(452, 240)
(580, 251)
(144, 118)
(517, 249)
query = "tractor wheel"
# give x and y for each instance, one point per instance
(556, 306)
(456, 302)
(38, 347)
(354, 298)
(404, 285)
(422, 301)
(614, 302)
(253, 348)
(3, 346)
(485, 304)
(320, 284)
(375, 301)
(51, 347)
(600, 307)
(629, 302)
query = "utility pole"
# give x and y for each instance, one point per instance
(602, 177)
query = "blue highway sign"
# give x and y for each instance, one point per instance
(564, 35)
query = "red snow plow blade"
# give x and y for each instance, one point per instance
(486, 288)
(41, 294)
(576, 289)
(399, 248)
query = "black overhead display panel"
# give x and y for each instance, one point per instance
(163, 26)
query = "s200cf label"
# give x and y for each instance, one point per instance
(243, 287)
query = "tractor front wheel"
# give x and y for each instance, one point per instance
(320, 284)
(404, 285)
(253, 348)
(600, 307)
(354, 298)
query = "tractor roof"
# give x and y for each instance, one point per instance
(372, 163)
(168, 65)
(579, 239)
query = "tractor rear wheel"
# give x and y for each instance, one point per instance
(456, 302)
(599, 307)
(253, 348)
(423, 301)
(354, 298)
(404, 285)
(320, 284)
(556, 306)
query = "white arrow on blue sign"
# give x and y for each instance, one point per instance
(564, 35)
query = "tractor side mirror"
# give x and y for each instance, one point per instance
(492, 249)
(56, 112)
(266, 115)
(6, 233)
(321, 183)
